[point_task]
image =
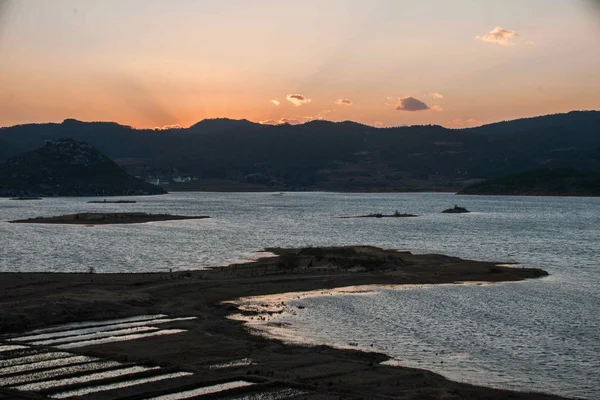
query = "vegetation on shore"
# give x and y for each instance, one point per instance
(541, 182)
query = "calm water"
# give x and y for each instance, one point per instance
(538, 335)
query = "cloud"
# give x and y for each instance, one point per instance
(411, 104)
(276, 102)
(391, 101)
(462, 123)
(378, 124)
(500, 36)
(282, 121)
(436, 95)
(167, 127)
(437, 108)
(291, 121)
(343, 102)
(298, 99)
(456, 122)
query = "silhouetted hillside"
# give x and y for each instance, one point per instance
(68, 168)
(334, 156)
(576, 120)
(220, 124)
(541, 182)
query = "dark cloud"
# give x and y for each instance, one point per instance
(298, 99)
(291, 121)
(411, 104)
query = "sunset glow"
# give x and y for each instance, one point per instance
(381, 63)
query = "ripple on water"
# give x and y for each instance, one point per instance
(492, 335)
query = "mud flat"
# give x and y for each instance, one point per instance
(105, 218)
(176, 338)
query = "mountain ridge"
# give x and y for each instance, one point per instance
(325, 155)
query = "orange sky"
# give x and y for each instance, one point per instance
(397, 62)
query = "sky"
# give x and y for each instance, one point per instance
(158, 63)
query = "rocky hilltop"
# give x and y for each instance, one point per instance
(66, 167)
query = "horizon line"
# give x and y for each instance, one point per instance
(179, 127)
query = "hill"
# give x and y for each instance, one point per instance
(323, 155)
(68, 168)
(541, 182)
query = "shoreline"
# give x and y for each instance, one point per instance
(38, 300)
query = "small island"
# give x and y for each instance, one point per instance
(396, 214)
(456, 210)
(112, 202)
(106, 218)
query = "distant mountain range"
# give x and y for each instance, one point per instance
(323, 155)
(68, 167)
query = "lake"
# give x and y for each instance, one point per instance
(541, 335)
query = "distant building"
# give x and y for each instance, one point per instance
(179, 179)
